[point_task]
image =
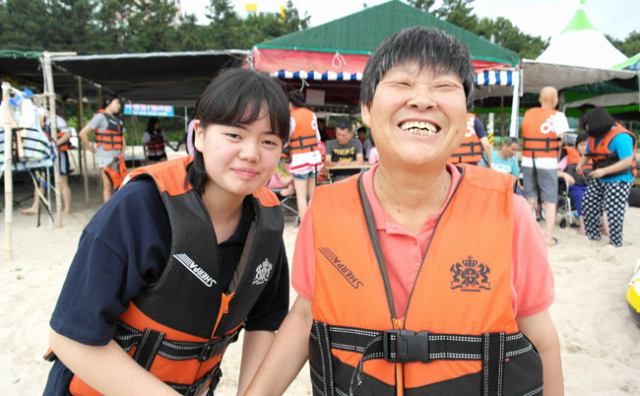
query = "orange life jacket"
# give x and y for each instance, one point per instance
(538, 137)
(304, 125)
(574, 158)
(46, 125)
(470, 149)
(180, 327)
(458, 336)
(155, 145)
(602, 156)
(112, 137)
(116, 171)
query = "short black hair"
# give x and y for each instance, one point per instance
(510, 140)
(431, 47)
(151, 124)
(582, 137)
(235, 97)
(296, 99)
(362, 129)
(107, 99)
(598, 122)
(344, 124)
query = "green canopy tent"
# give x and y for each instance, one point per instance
(331, 57)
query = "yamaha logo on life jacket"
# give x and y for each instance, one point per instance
(195, 269)
(341, 267)
(469, 276)
(262, 272)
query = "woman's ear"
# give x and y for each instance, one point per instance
(199, 136)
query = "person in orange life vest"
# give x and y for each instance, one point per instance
(474, 143)
(306, 160)
(403, 271)
(154, 140)
(542, 129)
(62, 140)
(203, 228)
(110, 141)
(577, 183)
(612, 149)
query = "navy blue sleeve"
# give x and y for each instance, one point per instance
(480, 131)
(273, 305)
(123, 248)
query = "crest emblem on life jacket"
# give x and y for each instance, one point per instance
(470, 276)
(262, 272)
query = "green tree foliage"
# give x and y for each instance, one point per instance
(126, 26)
(424, 5)
(459, 13)
(70, 25)
(24, 24)
(509, 36)
(630, 46)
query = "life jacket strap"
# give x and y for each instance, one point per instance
(405, 346)
(128, 337)
(551, 144)
(212, 378)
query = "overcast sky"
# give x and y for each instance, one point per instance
(545, 18)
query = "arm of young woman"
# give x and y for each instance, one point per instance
(618, 166)
(108, 369)
(540, 330)
(254, 348)
(287, 354)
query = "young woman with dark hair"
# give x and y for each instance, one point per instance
(183, 257)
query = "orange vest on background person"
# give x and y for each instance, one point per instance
(575, 156)
(538, 137)
(602, 156)
(46, 126)
(180, 327)
(112, 137)
(155, 145)
(470, 149)
(116, 171)
(304, 126)
(459, 313)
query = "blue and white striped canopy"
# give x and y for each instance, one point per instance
(484, 78)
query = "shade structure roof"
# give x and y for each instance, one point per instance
(581, 44)
(174, 78)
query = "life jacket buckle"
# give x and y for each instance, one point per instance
(405, 346)
(217, 346)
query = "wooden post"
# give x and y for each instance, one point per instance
(5, 117)
(51, 96)
(82, 150)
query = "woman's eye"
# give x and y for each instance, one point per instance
(233, 135)
(270, 143)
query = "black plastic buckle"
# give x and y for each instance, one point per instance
(217, 346)
(404, 346)
(200, 385)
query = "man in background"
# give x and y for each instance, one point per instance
(344, 150)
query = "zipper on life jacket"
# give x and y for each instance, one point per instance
(398, 324)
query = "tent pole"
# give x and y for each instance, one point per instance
(502, 116)
(5, 117)
(515, 104)
(82, 150)
(49, 92)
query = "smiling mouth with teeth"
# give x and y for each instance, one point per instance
(419, 128)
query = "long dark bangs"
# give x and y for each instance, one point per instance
(236, 97)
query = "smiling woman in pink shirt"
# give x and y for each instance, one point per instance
(418, 277)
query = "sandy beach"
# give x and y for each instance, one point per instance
(600, 341)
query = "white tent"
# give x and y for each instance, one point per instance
(581, 44)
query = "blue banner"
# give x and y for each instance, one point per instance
(148, 110)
